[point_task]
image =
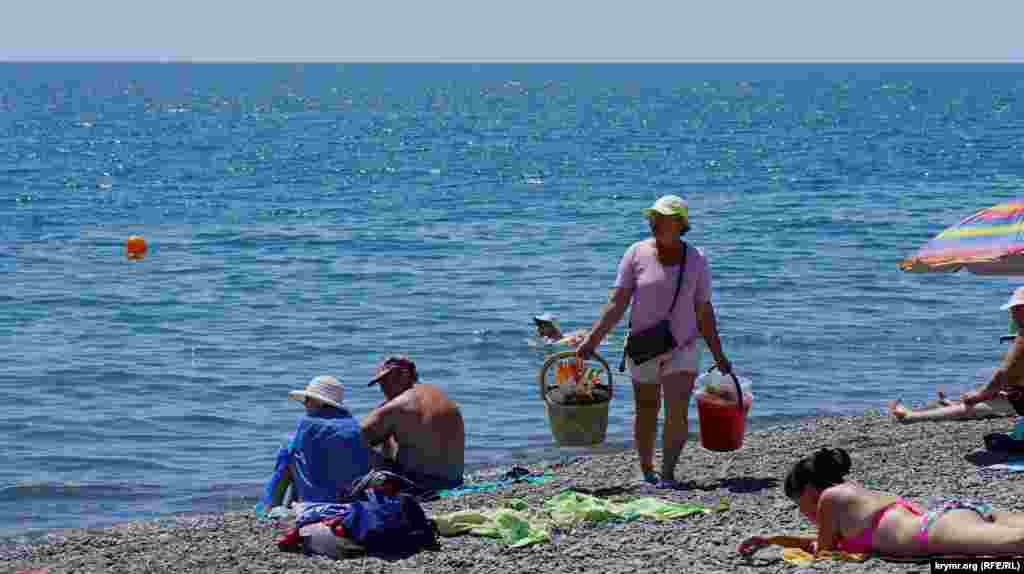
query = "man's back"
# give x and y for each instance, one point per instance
(433, 440)
(428, 429)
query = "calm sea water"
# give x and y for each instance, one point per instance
(309, 219)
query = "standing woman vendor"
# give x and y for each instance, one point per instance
(649, 278)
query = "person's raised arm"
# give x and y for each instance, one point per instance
(611, 314)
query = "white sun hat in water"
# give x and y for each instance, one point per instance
(1016, 299)
(324, 388)
(547, 318)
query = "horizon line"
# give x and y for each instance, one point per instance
(520, 61)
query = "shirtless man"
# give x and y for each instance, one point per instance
(418, 429)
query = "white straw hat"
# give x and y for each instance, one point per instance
(324, 388)
(1016, 299)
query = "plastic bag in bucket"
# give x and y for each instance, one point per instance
(723, 420)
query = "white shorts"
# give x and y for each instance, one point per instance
(682, 359)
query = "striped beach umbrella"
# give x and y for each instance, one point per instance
(990, 242)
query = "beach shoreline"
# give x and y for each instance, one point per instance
(919, 461)
(537, 457)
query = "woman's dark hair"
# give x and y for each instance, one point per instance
(823, 469)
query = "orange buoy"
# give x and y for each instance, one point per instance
(135, 247)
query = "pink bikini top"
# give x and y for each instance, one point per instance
(863, 542)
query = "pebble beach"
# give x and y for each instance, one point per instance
(920, 461)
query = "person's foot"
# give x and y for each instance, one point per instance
(942, 399)
(651, 477)
(898, 410)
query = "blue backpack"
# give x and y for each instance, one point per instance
(389, 524)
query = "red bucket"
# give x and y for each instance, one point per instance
(723, 420)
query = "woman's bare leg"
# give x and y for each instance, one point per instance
(965, 532)
(954, 412)
(647, 403)
(677, 388)
(1012, 519)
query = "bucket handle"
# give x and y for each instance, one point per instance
(554, 358)
(739, 391)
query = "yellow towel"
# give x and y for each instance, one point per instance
(804, 558)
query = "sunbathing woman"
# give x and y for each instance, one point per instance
(851, 518)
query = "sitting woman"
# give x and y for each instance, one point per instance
(325, 456)
(851, 518)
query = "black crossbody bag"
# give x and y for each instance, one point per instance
(656, 340)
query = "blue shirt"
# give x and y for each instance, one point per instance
(327, 454)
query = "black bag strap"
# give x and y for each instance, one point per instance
(679, 284)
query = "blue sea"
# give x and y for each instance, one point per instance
(310, 219)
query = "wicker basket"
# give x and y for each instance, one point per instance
(575, 425)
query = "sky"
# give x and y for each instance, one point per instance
(517, 30)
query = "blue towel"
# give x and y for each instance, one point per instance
(516, 475)
(1013, 463)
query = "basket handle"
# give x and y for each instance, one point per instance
(555, 357)
(739, 391)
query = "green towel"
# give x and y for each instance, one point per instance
(518, 528)
(571, 507)
(512, 526)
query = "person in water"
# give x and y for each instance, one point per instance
(417, 432)
(854, 519)
(550, 333)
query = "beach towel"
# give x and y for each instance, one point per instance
(1014, 463)
(572, 507)
(515, 528)
(1002, 442)
(517, 475)
(801, 557)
